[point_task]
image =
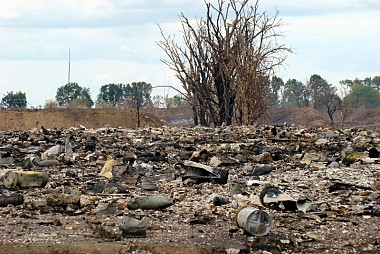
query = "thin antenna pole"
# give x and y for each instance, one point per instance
(68, 83)
(68, 80)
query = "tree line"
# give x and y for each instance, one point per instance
(118, 96)
(315, 92)
(323, 96)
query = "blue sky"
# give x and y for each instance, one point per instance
(114, 41)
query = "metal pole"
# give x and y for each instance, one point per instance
(68, 82)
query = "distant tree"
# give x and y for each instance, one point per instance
(14, 100)
(346, 108)
(318, 88)
(376, 82)
(275, 86)
(294, 94)
(113, 94)
(331, 101)
(128, 103)
(51, 104)
(347, 83)
(364, 96)
(72, 91)
(140, 94)
(177, 101)
(149, 103)
(323, 96)
(372, 82)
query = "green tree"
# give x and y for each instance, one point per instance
(369, 81)
(364, 95)
(14, 100)
(347, 84)
(74, 94)
(318, 88)
(140, 94)
(113, 94)
(376, 82)
(294, 94)
(177, 101)
(275, 86)
(323, 96)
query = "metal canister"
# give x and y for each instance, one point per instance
(253, 220)
(25, 179)
(14, 199)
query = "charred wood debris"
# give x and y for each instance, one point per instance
(318, 189)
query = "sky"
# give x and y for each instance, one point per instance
(114, 41)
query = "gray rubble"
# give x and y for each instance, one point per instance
(183, 187)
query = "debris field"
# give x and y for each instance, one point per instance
(181, 189)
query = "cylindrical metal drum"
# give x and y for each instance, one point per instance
(25, 179)
(253, 220)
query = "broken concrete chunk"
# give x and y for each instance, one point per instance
(134, 226)
(51, 153)
(62, 200)
(48, 163)
(106, 207)
(322, 141)
(263, 158)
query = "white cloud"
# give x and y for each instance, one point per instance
(334, 44)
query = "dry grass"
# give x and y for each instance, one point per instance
(65, 118)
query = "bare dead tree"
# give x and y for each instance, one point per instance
(346, 106)
(226, 60)
(332, 102)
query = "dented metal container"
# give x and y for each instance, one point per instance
(253, 220)
(25, 179)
